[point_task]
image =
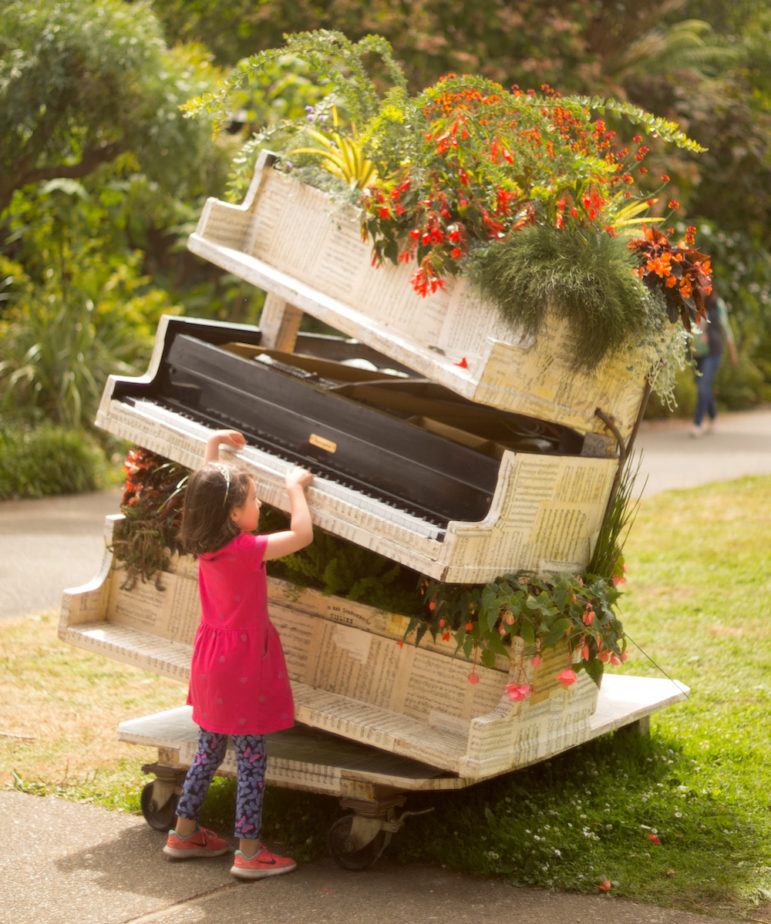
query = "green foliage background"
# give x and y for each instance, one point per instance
(102, 177)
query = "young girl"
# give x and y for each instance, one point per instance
(238, 679)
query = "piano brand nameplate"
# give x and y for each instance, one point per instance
(290, 240)
(321, 443)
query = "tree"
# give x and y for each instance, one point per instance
(83, 83)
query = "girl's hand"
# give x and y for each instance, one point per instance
(232, 438)
(298, 476)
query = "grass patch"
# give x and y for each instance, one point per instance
(59, 715)
(679, 819)
(696, 606)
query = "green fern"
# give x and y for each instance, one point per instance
(586, 279)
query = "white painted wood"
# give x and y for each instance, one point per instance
(307, 759)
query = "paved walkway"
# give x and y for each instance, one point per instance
(72, 863)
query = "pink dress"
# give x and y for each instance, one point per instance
(238, 678)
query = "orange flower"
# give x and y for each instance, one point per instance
(659, 265)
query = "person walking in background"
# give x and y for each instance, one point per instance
(239, 686)
(712, 333)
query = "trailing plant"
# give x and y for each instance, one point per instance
(344, 77)
(484, 620)
(335, 566)
(152, 502)
(586, 277)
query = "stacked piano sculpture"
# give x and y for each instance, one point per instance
(440, 438)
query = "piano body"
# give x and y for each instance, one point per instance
(289, 240)
(404, 467)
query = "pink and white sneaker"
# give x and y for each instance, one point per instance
(203, 843)
(262, 864)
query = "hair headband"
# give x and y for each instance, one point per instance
(225, 472)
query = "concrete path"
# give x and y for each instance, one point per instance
(73, 863)
(68, 863)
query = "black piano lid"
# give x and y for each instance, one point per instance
(319, 428)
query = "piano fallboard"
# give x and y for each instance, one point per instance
(495, 509)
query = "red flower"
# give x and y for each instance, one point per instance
(463, 363)
(653, 838)
(604, 886)
(567, 677)
(517, 691)
(473, 678)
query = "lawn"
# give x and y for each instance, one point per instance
(678, 819)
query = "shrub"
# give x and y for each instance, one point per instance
(49, 460)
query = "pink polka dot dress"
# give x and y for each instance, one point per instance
(238, 678)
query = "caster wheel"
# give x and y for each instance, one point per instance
(161, 817)
(344, 850)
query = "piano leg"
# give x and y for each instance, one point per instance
(279, 323)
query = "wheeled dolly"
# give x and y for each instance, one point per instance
(371, 785)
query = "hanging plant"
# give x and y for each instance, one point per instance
(586, 278)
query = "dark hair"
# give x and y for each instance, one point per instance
(212, 492)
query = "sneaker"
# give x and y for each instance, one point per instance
(263, 863)
(203, 843)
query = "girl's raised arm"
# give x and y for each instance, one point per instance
(300, 532)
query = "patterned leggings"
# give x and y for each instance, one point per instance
(250, 761)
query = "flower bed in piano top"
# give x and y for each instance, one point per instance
(532, 196)
(484, 622)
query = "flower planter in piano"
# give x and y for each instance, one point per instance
(290, 240)
(350, 674)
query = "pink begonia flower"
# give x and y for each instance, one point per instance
(517, 691)
(473, 678)
(537, 659)
(567, 677)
